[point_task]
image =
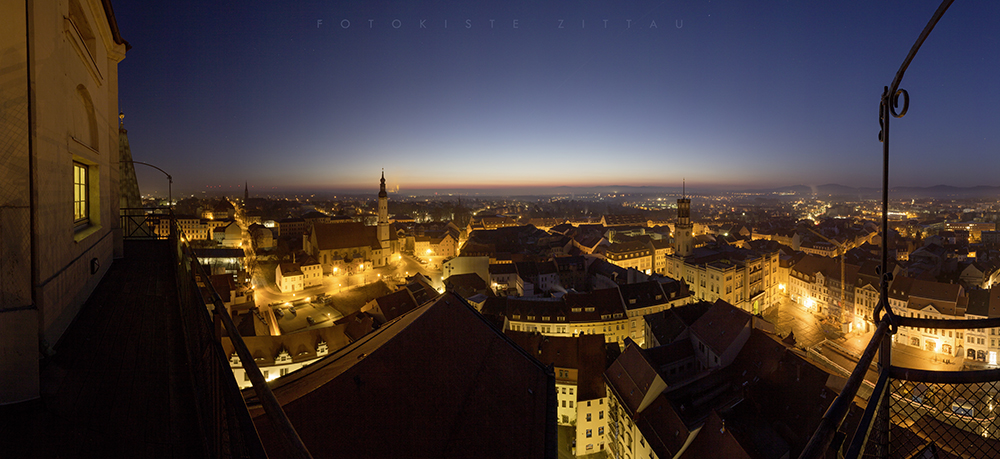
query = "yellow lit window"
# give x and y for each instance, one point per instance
(81, 201)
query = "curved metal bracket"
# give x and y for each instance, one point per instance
(889, 107)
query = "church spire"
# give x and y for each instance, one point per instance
(381, 190)
(246, 192)
(129, 196)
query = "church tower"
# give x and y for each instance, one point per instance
(683, 229)
(383, 214)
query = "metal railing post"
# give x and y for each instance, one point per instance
(882, 422)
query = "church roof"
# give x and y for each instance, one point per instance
(333, 236)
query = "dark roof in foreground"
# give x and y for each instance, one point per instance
(720, 325)
(439, 381)
(584, 353)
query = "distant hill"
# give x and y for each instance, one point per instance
(828, 190)
(937, 191)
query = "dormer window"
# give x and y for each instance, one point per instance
(283, 357)
(322, 348)
(234, 360)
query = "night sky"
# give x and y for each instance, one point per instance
(295, 95)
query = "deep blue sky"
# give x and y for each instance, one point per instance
(727, 93)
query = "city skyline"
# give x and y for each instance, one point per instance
(314, 96)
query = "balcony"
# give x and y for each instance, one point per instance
(141, 372)
(913, 412)
(910, 412)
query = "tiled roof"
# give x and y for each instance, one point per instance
(301, 345)
(437, 382)
(396, 304)
(812, 264)
(664, 430)
(314, 214)
(224, 284)
(631, 376)
(979, 303)
(605, 302)
(643, 294)
(333, 236)
(714, 441)
(627, 247)
(720, 325)
(290, 269)
(899, 289)
(629, 219)
(527, 269)
(584, 353)
(934, 290)
(665, 326)
(503, 268)
(358, 324)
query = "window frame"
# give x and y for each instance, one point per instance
(81, 195)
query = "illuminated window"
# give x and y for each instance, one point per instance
(81, 192)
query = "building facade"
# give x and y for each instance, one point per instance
(59, 198)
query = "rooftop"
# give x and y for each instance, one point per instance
(419, 386)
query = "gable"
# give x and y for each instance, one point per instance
(931, 309)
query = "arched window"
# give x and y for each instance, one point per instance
(86, 126)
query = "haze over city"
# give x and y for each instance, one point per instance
(529, 95)
(529, 229)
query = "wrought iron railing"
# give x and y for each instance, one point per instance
(911, 413)
(144, 223)
(225, 421)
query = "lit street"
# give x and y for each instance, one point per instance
(844, 350)
(790, 317)
(299, 310)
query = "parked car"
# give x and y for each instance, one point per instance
(311, 320)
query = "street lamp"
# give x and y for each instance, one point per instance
(170, 180)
